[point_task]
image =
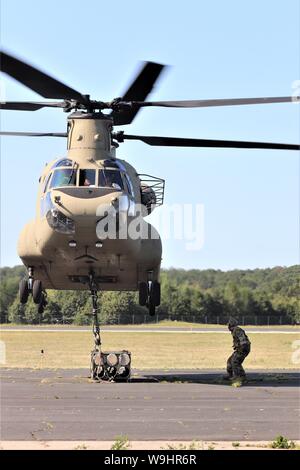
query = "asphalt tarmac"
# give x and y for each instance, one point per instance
(45, 405)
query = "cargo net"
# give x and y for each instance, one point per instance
(152, 191)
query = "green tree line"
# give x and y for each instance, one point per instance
(189, 295)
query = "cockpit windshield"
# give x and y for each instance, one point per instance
(107, 178)
(110, 179)
(87, 177)
(63, 177)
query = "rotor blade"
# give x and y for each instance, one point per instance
(218, 102)
(35, 134)
(138, 91)
(36, 80)
(30, 105)
(183, 142)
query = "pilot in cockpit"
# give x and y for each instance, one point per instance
(87, 182)
(109, 180)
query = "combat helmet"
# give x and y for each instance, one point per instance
(232, 322)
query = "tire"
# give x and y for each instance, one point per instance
(37, 291)
(23, 291)
(143, 293)
(41, 309)
(155, 293)
(42, 305)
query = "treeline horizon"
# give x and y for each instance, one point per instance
(263, 296)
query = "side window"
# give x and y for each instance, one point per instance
(87, 177)
(129, 185)
(47, 182)
(46, 204)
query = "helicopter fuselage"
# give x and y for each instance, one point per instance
(88, 217)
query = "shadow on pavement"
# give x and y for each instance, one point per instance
(272, 378)
(280, 379)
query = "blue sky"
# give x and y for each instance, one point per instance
(216, 49)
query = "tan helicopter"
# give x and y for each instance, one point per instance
(62, 248)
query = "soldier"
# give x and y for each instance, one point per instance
(241, 346)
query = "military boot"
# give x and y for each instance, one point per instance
(227, 377)
(238, 380)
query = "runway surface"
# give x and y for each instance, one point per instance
(155, 405)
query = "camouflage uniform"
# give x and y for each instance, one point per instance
(241, 346)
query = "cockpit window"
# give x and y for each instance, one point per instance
(87, 177)
(63, 177)
(112, 163)
(63, 162)
(110, 179)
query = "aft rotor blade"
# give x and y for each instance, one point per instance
(138, 91)
(217, 102)
(36, 80)
(30, 105)
(183, 142)
(35, 134)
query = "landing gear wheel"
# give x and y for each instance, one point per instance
(37, 291)
(41, 309)
(155, 293)
(23, 291)
(143, 293)
(42, 304)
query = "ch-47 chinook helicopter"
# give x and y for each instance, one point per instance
(60, 248)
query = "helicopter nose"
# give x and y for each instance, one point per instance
(119, 206)
(83, 204)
